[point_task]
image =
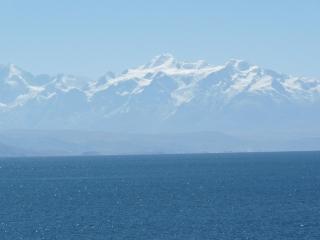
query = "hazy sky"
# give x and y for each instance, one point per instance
(90, 37)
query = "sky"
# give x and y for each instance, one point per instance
(90, 37)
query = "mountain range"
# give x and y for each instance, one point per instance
(164, 96)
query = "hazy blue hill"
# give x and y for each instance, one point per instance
(74, 142)
(9, 151)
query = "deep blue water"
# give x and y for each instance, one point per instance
(210, 196)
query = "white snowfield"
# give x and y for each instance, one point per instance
(162, 90)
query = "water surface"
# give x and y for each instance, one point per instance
(209, 196)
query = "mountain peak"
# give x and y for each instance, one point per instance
(13, 73)
(165, 59)
(238, 64)
(13, 70)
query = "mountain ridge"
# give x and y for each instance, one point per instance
(162, 95)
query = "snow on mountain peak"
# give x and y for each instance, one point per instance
(164, 60)
(238, 64)
(163, 89)
(181, 82)
(66, 83)
(167, 61)
(13, 71)
(9, 71)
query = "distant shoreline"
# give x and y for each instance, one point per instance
(156, 154)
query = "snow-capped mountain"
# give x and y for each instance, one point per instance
(161, 95)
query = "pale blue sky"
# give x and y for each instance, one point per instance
(90, 37)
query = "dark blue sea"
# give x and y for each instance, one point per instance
(206, 196)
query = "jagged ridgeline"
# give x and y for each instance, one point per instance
(163, 95)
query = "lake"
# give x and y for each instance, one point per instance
(197, 196)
